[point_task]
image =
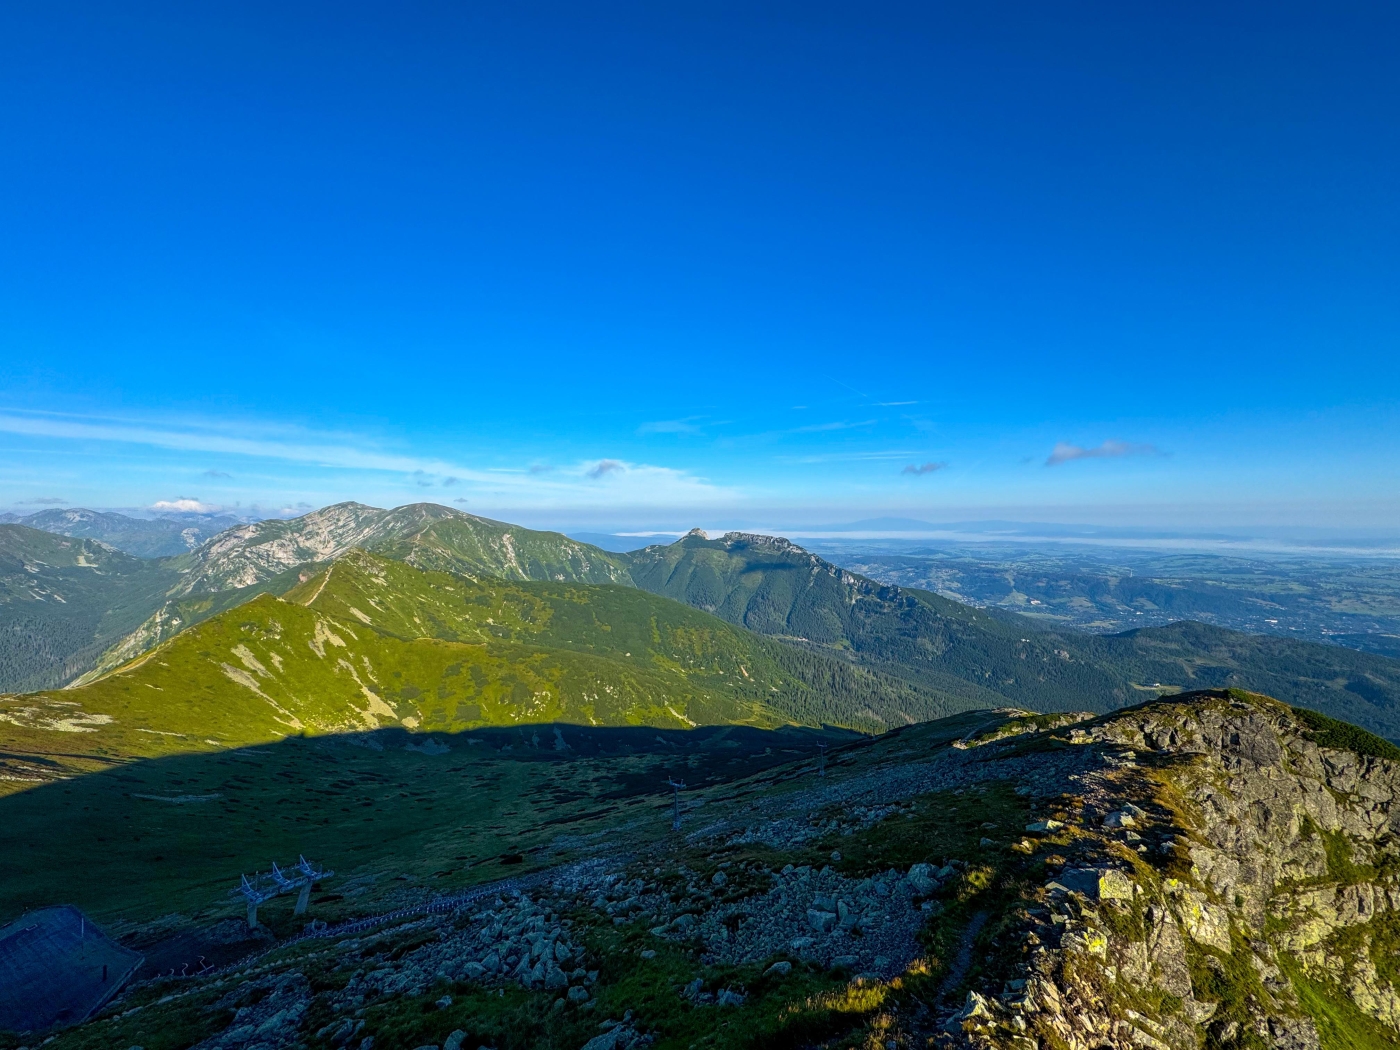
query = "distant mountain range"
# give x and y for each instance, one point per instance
(74, 613)
(143, 537)
(64, 602)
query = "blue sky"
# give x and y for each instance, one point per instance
(657, 264)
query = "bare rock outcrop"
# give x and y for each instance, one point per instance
(1232, 865)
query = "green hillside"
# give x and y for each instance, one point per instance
(264, 556)
(369, 642)
(776, 588)
(63, 601)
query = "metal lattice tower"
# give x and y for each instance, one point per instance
(821, 760)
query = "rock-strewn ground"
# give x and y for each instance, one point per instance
(1213, 870)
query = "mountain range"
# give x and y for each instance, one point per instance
(429, 702)
(366, 642)
(161, 537)
(73, 615)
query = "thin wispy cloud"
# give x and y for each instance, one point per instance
(821, 428)
(920, 469)
(43, 501)
(848, 457)
(893, 404)
(1064, 452)
(689, 425)
(538, 485)
(213, 436)
(217, 474)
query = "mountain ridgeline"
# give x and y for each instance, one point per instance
(902, 651)
(994, 658)
(264, 557)
(368, 642)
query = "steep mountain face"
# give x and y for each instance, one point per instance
(261, 558)
(63, 601)
(367, 642)
(775, 587)
(143, 537)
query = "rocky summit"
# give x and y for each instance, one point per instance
(1213, 869)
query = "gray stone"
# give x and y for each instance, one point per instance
(821, 921)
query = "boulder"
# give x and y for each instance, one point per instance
(821, 921)
(921, 880)
(1098, 883)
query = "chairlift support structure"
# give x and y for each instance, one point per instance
(262, 888)
(676, 786)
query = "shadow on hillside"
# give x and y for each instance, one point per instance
(394, 813)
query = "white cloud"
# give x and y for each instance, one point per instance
(185, 505)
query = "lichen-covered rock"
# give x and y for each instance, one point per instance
(1230, 859)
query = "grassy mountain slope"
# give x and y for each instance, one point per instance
(63, 601)
(774, 587)
(619, 623)
(370, 642)
(259, 558)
